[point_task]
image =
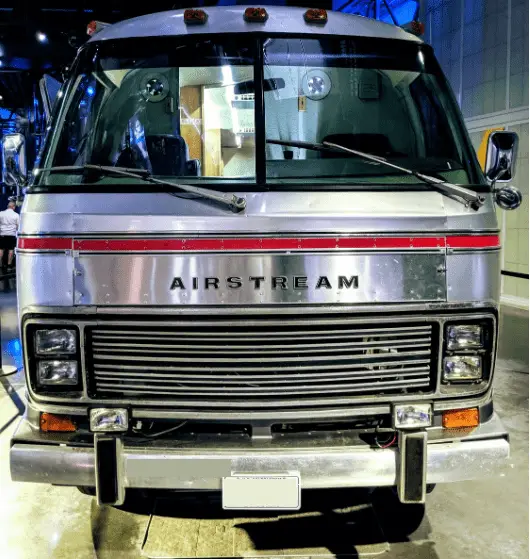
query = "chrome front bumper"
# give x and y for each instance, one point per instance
(458, 457)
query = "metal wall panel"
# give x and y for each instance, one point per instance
(473, 276)
(44, 279)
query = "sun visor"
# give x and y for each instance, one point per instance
(369, 87)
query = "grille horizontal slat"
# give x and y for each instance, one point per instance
(226, 379)
(298, 348)
(241, 335)
(230, 360)
(233, 369)
(182, 381)
(358, 387)
(243, 363)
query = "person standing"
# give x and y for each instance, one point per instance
(9, 220)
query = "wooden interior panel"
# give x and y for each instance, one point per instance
(191, 119)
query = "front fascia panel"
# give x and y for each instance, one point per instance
(257, 279)
(350, 407)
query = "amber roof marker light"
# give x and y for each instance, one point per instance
(195, 17)
(316, 15)
(255, 15)
(414, 27)
(95, 26)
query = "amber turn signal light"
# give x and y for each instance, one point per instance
(51, 423)
(460, 419)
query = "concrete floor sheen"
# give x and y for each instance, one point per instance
(486, 519)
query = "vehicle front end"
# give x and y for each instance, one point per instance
(339, 331)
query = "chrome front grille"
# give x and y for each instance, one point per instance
(239, 363)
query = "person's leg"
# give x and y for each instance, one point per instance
(10, 245)
(3, 255)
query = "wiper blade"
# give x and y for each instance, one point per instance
(234, 202)
(465, 196)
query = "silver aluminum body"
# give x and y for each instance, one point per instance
(131, 286)
(129, 279)
(85, 287)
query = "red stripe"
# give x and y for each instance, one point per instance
(257, 243)
(265, 243)
(44, 243)
(474, 241)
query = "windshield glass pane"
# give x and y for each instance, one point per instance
(179, 108)
(386, 98)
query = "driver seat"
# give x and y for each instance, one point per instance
(169, 156)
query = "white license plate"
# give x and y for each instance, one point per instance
(262, 491)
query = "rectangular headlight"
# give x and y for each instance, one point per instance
(108, 420)
(464, 336)
(55, 342)
(57, 373)
(412, 416)
(462, 367)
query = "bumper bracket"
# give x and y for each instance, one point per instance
(108, 470)
(412, 471)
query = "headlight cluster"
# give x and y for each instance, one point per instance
(56, 359)
(466, 346)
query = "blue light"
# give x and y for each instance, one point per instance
(14, 350)
(90, 91)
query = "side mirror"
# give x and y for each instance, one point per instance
(508, 197)
(500, 167)
(14, 169)
(501, 156)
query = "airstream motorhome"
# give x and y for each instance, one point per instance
(258, 255)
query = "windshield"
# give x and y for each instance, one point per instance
(185, 108)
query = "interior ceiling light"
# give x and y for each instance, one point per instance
(41, 37)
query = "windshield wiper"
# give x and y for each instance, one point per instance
(465, 196)
(234, 202)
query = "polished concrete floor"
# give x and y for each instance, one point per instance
(480, 519)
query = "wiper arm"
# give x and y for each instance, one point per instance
(303, 145)
(465, 196)
(234, 202)
(468, 197)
